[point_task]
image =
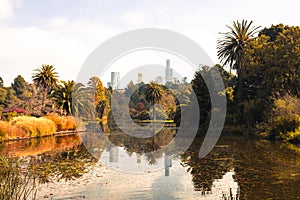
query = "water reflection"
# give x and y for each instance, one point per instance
(50, 158)
(236, 167)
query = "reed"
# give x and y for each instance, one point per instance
(15, 184)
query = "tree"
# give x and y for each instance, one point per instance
(19, 85)
(72, 97)
(231, 48)
(100, 99)
(272, 65)
(3, 94)
(45, 79)
(153, 94)
(1, 82)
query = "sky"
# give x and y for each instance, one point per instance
(63, 33)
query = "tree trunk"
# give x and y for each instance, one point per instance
(240, 93)
(45, 97)
(154, 113)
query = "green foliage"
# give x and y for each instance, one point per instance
(232, 46)
(273, 31)
(3, 94)
(283, 122)
(272, 66)
(19, 85)
(71, 97)
(154, 93)
(45, 78)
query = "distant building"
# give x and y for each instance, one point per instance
(115, 79)
(169, 72)
(114, 154)
(168, 164)
(140, 77)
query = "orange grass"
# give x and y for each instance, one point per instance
(63, 123)
(35, 127)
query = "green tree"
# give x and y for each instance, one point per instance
(153, 94)
(45, 79)
(231, 48)
(271, 71)
(19, 85)
(72, 97)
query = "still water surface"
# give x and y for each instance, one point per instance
(128, 168)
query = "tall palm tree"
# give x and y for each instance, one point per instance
(45, 78)
(72, 97)
(231, 48)
(154, 94)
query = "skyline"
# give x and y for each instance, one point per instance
(64, 33)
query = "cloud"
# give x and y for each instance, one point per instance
(6, 9)
(60, 42)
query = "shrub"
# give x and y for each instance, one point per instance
(283, 122)
(35, 127)
(63, 123)
(9, 131)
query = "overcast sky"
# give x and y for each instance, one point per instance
(64, 32)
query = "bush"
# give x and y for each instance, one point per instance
(9, 131)
(283, 122)
(35, 127)
(63, 123)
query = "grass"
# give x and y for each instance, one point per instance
(27, 126)
(35, 127)
(9, 131)
(63, 123)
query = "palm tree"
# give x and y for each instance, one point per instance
(72, 97)
(154, 94)
(45, 78)
(231, 48)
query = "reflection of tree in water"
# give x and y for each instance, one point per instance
(69, 164)
(207, 169)
(151, 147)
(264, 170)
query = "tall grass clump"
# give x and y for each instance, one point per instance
(9, 131)
(63, 123)
(13, 183)
(35, 127)
(283, 122)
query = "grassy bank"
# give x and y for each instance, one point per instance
(29, 127)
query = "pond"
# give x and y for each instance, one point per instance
(117, 166)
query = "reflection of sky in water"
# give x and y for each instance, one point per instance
(152, 181)
(118, 158)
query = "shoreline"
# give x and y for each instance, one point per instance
(70, 132)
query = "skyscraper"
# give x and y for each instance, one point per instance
(140, 77)
(115, 79)
(169, 73)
